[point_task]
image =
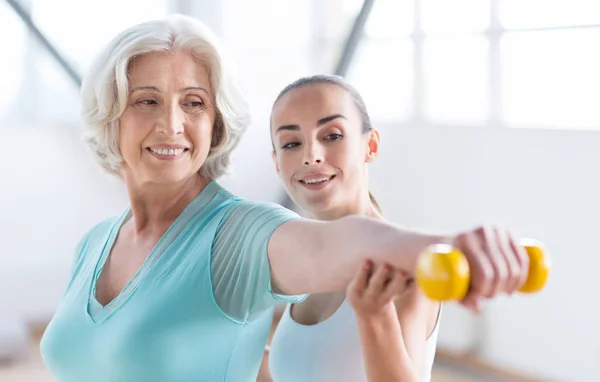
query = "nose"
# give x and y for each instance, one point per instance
(172, 121)
(312, 154)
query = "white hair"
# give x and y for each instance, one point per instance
(104, 91)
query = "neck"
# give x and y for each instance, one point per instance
(362, 207)
(156, 206)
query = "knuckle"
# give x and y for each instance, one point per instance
(501, 274)
(480, 231)
(514, 272)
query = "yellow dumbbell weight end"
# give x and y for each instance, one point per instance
(443, 271)
(539, 267)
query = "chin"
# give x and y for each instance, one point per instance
(317, 204)
(169, 176)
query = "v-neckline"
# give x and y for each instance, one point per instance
(98, 313)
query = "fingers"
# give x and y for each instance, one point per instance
(481, 269)
(522, 260)
(498, 264)
(473, 304)
(360, 281)
(512, 252)
(378, 281)
(395, 286)
(385, 284)
(491, 245)
(376, 284)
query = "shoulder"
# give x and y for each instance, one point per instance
(103, 226)
(247, 225)
(99, 231)
(94, 237)
(236, 207)
(246, 212)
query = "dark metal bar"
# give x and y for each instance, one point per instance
(26, 18)
(354, 38)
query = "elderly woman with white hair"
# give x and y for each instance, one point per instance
(181, 285)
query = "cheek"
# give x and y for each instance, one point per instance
(132, 123)
(130, 135)
(348, 158)
(285, 162)
(201, 132)
(342, 155)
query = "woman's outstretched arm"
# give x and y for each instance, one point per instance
(309, 256)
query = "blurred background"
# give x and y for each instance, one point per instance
(489, 111)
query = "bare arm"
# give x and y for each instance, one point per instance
(417, 317)
(264, 375)
(386, 357)
(309, 256)
(393, 333)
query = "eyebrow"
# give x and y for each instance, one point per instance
(320, 122)
(155, 89)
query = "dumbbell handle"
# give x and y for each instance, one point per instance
(443, 271)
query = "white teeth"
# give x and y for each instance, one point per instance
(167, 152)
(313, 181)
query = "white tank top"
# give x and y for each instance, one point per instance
(329, 351)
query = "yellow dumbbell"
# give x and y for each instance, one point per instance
(443, 271)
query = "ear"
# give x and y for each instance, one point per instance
(275, 161)
(373, 145)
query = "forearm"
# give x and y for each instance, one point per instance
(385, 355)
(347, 242)
(310, 256)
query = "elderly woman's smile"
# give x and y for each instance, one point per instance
(167, 152)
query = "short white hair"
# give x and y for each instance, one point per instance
(104, 90)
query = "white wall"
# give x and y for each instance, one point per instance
(543, 184)
(271, 43)
(52, 193)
